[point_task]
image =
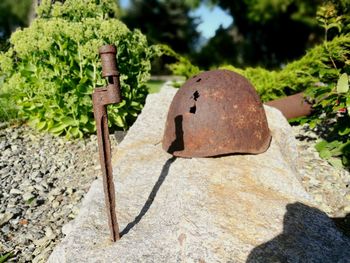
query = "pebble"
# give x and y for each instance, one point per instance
(27, 196)
(48, 232)
(14, 191)
(55, 204)
(4, 218)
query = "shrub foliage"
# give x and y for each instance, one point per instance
(53, 66)
(323, 74)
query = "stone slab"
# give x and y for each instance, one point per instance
(239, 208)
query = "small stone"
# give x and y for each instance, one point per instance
(36, 166)
(39, 188)
(30, 188)
(35, 174)
(49, 233)
(6, 229)
(4, 218)
(71, 216)
(69, 190)
(14, 222)
(14, 191)
(27, 196)
(56, 191)
(14, 148)
(15, 210)
(55, 204)
(23, 222)
(42, 256)
(14, 135)
(41, 242)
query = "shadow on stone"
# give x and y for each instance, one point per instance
(309, 235)
(152, 195)
(343, 224)
(178, 143)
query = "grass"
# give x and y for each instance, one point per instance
(5, 257)
(154, 85)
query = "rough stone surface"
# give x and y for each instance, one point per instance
(241, 208)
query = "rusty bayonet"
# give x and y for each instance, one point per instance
(102, 97)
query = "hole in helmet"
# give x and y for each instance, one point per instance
(195, 95)
(110, 80)
(193, 109)
(198, 80)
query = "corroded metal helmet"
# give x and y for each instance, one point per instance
(216, 113)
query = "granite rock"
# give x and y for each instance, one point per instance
(238, 208)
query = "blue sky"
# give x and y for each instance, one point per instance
(211, 18)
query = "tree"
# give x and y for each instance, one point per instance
(272, 32)
(165, 22)
(220, 49)
(13, 14)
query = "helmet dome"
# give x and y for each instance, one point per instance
(216, 113)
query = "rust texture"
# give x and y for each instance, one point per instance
(292, 106)
(102, 97)
(216, 113)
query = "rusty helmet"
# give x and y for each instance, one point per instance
(216, 113)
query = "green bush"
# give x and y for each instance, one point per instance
(306, 73)
(323, 74)
(53, 66)
(182, 66)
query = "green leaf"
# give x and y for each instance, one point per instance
(119, 121)
(343, 83)
(312, 125)
(321, 145)
(336, 162)
(41, 125)
(344, 131)
(75, 132)
(335, 25)
(325, 154)
(84, 119)
(5, 257)
(58, 129)
(69, 121)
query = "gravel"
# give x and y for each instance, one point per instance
(329, 186)
(43, 179)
